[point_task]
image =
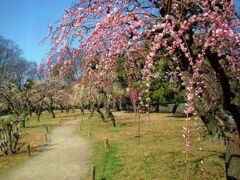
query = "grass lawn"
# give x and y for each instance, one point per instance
(159, 154)
(34, 135)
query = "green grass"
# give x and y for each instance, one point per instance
(34, 134)
(159, 154)
(109, 162)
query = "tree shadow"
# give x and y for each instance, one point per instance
(197, 161)
(35, 150)
(177, 115)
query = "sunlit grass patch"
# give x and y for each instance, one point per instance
(160, 152)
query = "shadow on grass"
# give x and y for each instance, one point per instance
(110, 163)
(35, 150)
(177, 116)
(38, 126)
(196, 163)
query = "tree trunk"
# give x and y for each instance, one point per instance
(30, 113)
(114, 104)
(23, 123)
(120, 104)
(117, 106)
(174, 109)
(112, 118)
(67, 110)
(13, 138)
(100, 113)
(62, 108)
(82, 109)
(38, 117)
(39, 112)
(157, 107)
(232, 157)
(16, 135)
(124, 104)
(53, 114)
(91, 109)
(110, 114)
(9, 131)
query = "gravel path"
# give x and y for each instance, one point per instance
(65, 158)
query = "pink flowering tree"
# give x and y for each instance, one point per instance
(201, 38)
(133, 94)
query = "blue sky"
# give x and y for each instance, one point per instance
(26, 21)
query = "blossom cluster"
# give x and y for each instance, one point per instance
(104, 29)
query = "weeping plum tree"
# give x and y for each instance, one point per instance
(78, 96)
(201, 38)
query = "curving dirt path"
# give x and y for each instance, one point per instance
(65, 158)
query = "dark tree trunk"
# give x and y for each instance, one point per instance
(23, 123)
(220, 123)
(229, 116)
(38, 117)
(9, 130)
(13, 138)
(91, 109)
(39, 112)
(232, 157)
(16, 136)
(30, 113)
(52, 112)
(124, 104)
(82, 109)
(114, 105)
(120, 104)
(117, 106)
(218, 108)
(108, 110)
(112, 118)
(174, 109)
(157, 107)
(100, 113)
(51, 107)
(110, 115)
(62, 108)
